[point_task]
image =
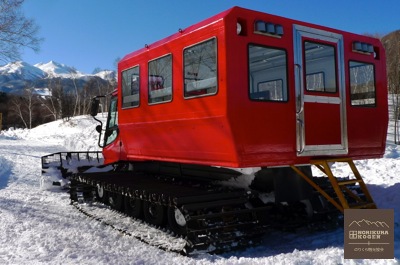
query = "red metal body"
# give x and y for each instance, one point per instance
(274, 99)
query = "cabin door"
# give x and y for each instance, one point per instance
(320, 92)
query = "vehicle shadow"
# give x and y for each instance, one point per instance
(280, 242)
(304, 239)
(5, 172)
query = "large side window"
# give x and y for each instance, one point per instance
(362, 84)
(267, 74)
(320, 67)
(130, 87)
(160, 79)
(200, 69)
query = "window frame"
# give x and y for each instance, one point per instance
(216, 69)
(171, 76)
(335, 67)
(350, 85)
(285, 85)
(123, 96)
(111, 129)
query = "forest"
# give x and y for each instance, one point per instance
(61, 101)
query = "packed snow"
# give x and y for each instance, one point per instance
(41, 227)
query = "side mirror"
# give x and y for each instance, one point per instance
(98, 128)
(94, 108)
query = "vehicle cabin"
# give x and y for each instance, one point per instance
(250, 89)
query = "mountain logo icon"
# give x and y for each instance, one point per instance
(367, 223)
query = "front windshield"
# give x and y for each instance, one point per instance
(112, 122)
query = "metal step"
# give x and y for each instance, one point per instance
(341, 186)
(348, 182)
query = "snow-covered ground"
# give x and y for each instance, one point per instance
(41, 227)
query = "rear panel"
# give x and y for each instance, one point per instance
(299, 91)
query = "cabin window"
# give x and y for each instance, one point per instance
(130, 87)
(200, 69)
(160, 79)
(320, 66)
(362, 84)
(267, 74)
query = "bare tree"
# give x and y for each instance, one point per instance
(52, 102)
(77, 105)
(88, 92)
(16, 31)
(60, 102)
(67, 105)
(31, 103)
(24, 107)
(17, 108)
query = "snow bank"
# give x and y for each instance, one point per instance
(40, 227)
(76, 134)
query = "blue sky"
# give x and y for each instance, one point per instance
(87, 34)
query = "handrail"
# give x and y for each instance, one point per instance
(56, 159)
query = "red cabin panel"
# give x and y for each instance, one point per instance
(323, 124)
(249, 89)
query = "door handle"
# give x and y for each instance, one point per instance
(300, 135)
(299, 89)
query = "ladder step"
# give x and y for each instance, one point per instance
(363, 205)
(348, 182)
(362, 198)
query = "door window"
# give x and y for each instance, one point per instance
(112, 123)
(320, 67)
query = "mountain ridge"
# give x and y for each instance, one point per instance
(15, 76)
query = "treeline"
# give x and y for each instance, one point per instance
(391, 42)
(32, 108)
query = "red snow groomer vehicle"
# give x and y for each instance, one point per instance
(242, 97)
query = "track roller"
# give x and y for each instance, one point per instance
(154, 213)
(177, 221)
(133, 207)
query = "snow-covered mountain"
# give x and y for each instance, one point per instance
(22, 70)
(17, 75)
(54, 69)
(107, 75)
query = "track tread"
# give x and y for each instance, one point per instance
(221, 221)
